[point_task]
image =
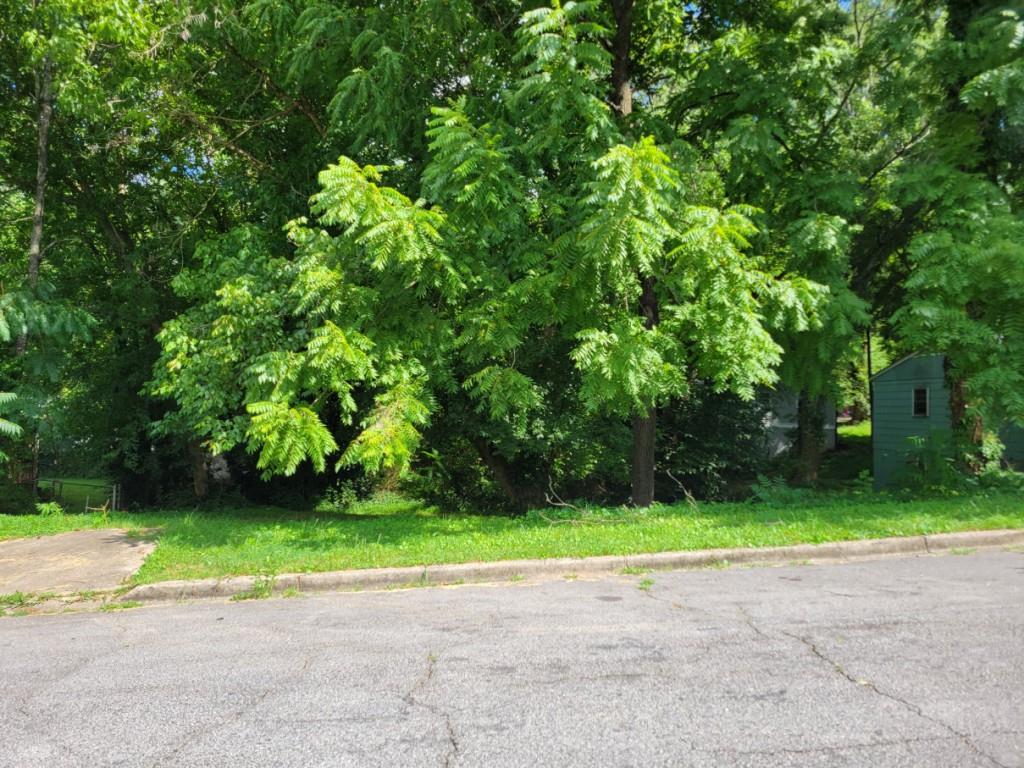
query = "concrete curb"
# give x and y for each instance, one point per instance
(504, 570)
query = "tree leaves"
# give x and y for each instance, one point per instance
(287, 436)
(7, 428)
(391, 433)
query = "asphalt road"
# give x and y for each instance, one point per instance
(901, 662)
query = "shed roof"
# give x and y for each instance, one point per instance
(901, 361)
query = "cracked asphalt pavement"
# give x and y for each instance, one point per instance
(896, 662)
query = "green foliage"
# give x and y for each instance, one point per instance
(16, 499)
(776, 492)
(49, 509)
(964, 267)
(932, 464)
(965, 297)
(712, 444)
(8, 429)
(390, 432)
(446, 295)
(229, 336)
(287, 437)
(713, 296)
(500, 269)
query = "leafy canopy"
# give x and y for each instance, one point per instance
(521, 261)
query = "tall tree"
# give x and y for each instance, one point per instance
(539, 230)
(962, 289)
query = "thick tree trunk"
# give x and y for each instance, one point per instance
(644, 432)
(44, 100)
(810, 423)
(200, 474)
(645, 426)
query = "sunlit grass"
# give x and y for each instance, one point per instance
(396, 532)
(861, 429)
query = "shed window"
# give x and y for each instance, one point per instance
(921, 402)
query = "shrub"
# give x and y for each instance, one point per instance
(712, 445)
(931, 464)
(49, 509)
(776, 492)
(15, 499)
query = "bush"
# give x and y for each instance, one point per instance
(711, 445)
(344, 494)
(931, 464)
(996, 479)
(16, 499)
(49, 509)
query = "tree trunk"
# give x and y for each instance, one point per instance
(967, 428)
(622, 90)
(645, 426)
(810, 424)
(44, 100)
(501, 471)
(200, 477)
(644, 431)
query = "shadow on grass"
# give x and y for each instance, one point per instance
(402, 530)
(845, 464)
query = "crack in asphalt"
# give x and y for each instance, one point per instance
(410, 698)
(172, 752)
(909, 706)
(453, 742)
(836, 748)
(749, 621)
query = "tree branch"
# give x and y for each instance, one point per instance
(298, 102)
(901, 152)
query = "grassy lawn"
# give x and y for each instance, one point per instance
(76, 491)
(396, 532)
(861, 429)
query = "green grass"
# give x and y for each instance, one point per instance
(13, 598)
(78, 490)
(122, 606)
(862, 429)
(851, 458)
(396, 532)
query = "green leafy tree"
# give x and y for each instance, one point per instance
(963, 268)
(539, 220)
(791, 101)
(965, 297)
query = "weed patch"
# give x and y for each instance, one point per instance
(121, 606)
(262, 588)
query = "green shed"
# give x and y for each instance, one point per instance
(910, 399)
(1013, 439)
